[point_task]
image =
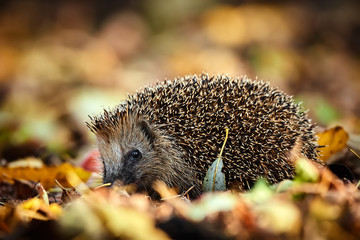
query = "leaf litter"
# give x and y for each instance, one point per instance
(315, 204)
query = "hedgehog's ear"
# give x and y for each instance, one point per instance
(149, 133)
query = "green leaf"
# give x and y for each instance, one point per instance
(215, 178)
(261, 192)
(305, 171)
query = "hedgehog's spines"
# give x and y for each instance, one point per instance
(191, 112)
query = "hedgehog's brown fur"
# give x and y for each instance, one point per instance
(178, 127)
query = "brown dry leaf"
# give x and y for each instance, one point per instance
(45, 175)
(23, 189)
(68, 195)
(334, 139)
(19, 190)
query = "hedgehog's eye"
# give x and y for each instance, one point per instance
(135, 154)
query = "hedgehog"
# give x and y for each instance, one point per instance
(173, 131)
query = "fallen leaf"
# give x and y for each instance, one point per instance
(306, 171)
(45, 175)
(68, 195)
(24, 189)
(215, 178)
(334, 140)
(36, 208)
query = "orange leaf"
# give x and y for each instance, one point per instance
(45, 175)
(334, 139)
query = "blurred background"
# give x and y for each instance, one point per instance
(61, 61)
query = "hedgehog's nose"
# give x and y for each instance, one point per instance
(107, 183)
(108, 180)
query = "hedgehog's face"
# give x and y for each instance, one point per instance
(129, 155)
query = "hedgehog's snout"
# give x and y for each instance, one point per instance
(123, 177)
(125, 172)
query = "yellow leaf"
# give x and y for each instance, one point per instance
(55, 209)
(36, 208)
(334, 139)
